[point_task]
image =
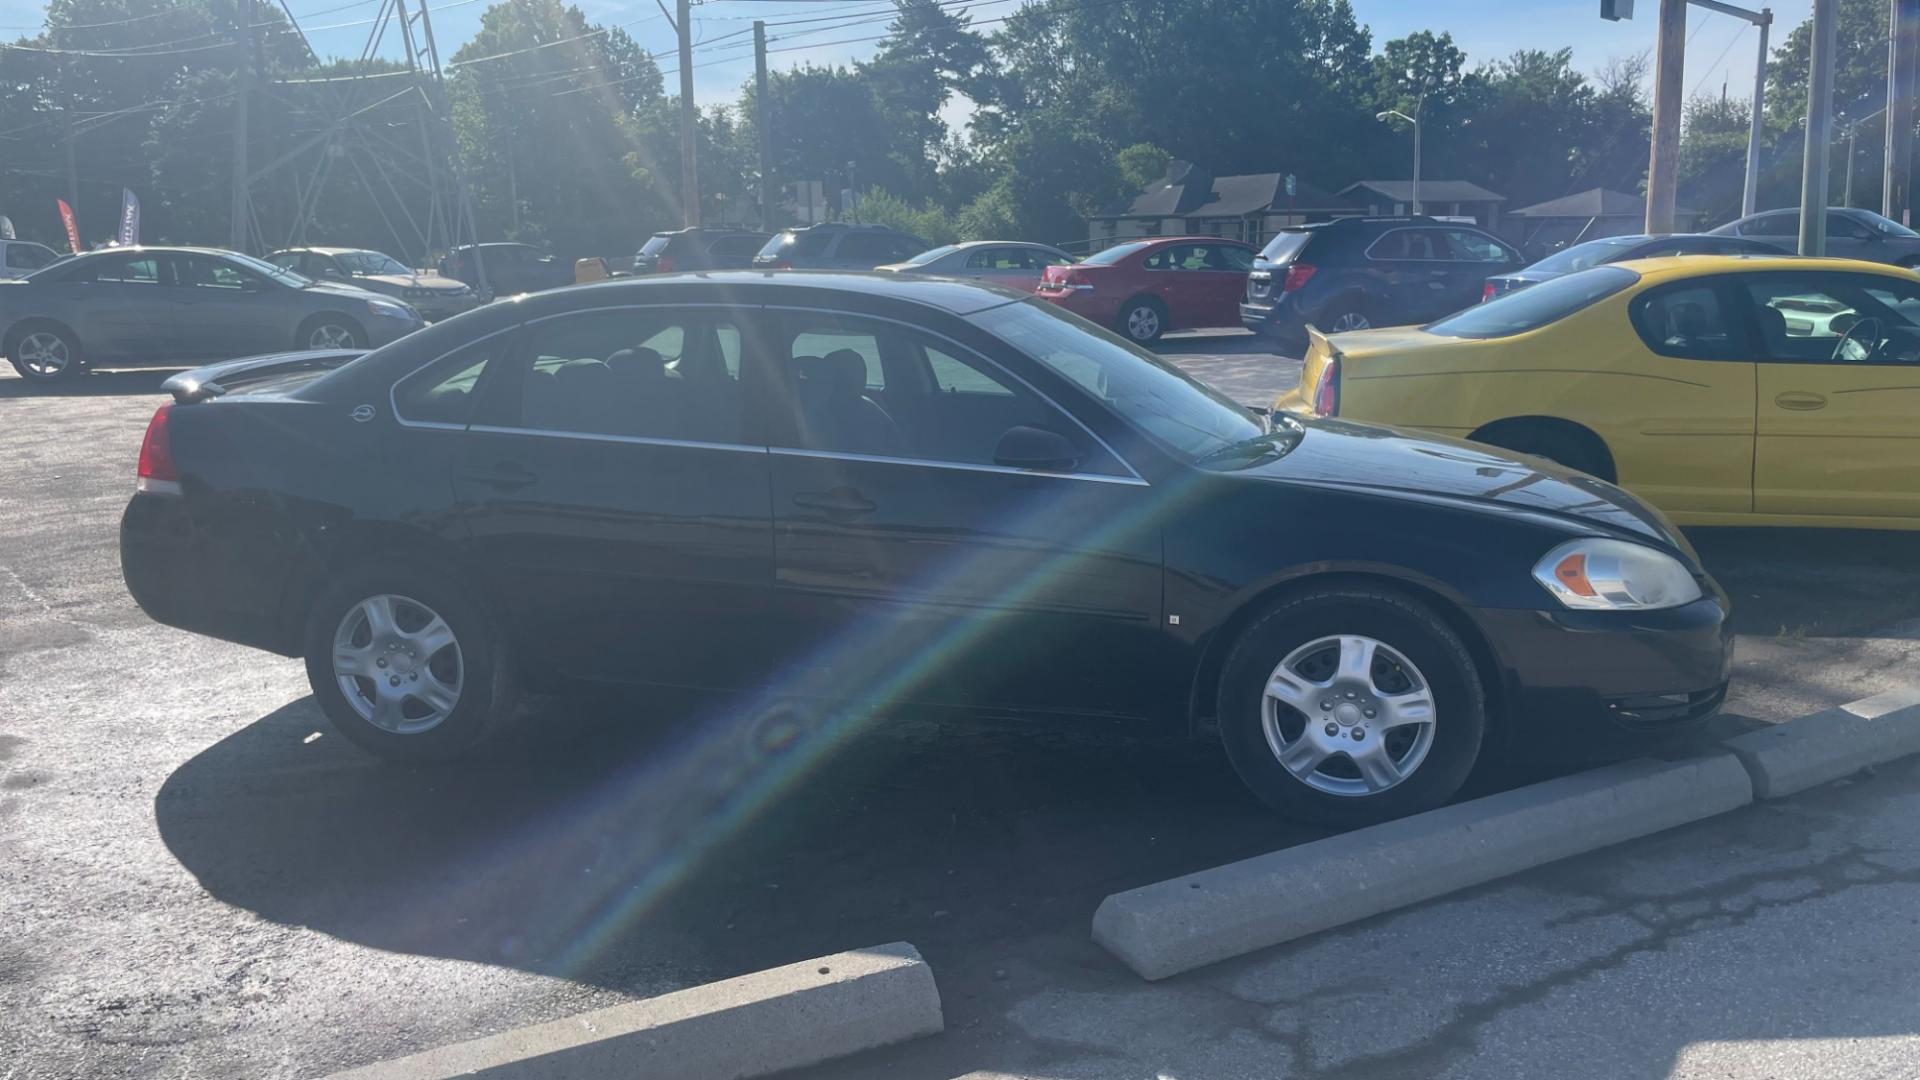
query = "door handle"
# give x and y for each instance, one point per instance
(839, 501)
(1800, 400)
(506, 476)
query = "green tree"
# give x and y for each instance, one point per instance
(562, 125)
(1141, 164)
(1713, 156)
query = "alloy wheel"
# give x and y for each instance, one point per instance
(398, 664)
(44, 354)
(1348, 715)
(1143, 323)
(1349, 320)
(330, 336)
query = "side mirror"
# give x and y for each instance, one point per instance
(1035, 448)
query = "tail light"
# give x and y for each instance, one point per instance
(664, 264)
(1298, 274)
(158, 474)
(1487, 292)
(1326, 395)
(777, 264)
(1066, 278)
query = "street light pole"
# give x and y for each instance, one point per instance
(1814, 182)
(1750, 195)
(1415, 121)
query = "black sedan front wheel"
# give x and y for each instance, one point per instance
(405, 663)
(1351, 706)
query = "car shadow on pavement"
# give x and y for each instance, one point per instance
(631, 853)
(90, 384)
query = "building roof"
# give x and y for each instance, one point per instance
(1592, 203)
(1430, 191)
(1187, 191)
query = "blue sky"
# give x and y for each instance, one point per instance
(1721, 49)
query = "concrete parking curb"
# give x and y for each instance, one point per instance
(1791, 757)
(1175, 926)
(757, 1024)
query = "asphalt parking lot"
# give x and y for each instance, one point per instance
(196, 879)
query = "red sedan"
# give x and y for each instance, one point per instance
(1146, 287)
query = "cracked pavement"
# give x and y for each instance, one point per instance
(196, 880)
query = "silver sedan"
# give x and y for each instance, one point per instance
(147, 305)
(1014, 264)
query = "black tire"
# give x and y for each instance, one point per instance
(1576, 449)
(487, 690)
(1142, 319)
(1401, 624)
(39, 338)
(356, 334)
(1346, 313)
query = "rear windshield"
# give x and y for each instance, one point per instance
(1530, 309)
(1581, 256)
(1285, 246)
(1113, 254)
(799, 242)
(1886, 225)
(656, 243)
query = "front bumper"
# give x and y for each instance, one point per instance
(1590, 679)
(435, 308)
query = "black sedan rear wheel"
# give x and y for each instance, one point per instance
(1348, 706)
(405, 663)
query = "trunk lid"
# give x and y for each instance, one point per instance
(272, 374)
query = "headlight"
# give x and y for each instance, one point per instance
(1614, 575)
(389, 309)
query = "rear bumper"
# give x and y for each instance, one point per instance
(183, 575)
(1086, 303)
(1583, 679)
(1277, 318)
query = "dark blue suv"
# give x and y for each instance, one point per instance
(1360, 272)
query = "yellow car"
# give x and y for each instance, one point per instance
(1726, 390)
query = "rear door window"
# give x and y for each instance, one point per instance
(1688, 320)
(1465, 245)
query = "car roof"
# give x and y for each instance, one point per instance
(1686, 266)
(175, 249)
(955, 297)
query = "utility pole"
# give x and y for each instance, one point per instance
(1903, 81)
(1815, 167)
(243, 84)
(760, 124)
(689, 171)
(1750, 195)
(1663, 172)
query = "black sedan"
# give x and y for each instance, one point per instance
(1613, 249)
(800, 487)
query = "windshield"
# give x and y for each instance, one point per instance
(1531, 309)
(1163, 403)
(371, 262)
(1113, 254)
(926, 257)
(278, 273)
(1581, 256)
(1285, 246)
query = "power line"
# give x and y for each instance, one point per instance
(1737, 35)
